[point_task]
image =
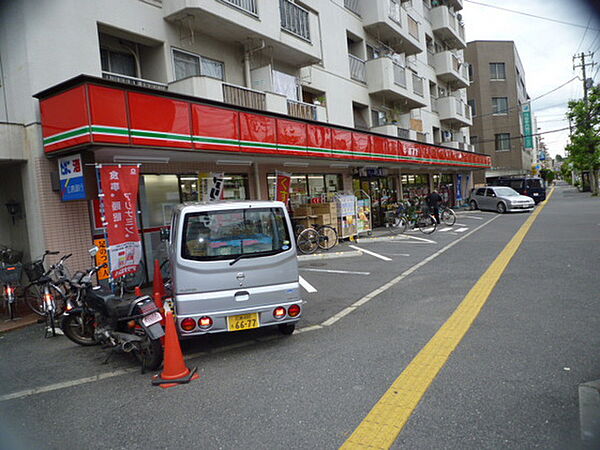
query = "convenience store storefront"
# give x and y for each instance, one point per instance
(180, 141)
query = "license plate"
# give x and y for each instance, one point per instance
(151, 319)
(243, 322)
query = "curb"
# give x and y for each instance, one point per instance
(329, 255)
(24, 322)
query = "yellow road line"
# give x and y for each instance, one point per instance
(385, 421)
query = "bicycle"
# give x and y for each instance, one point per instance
(447, 215)
(10, 277)
(316, 236)
(49, 292)
(410, 216)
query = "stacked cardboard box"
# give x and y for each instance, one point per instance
(320, 213)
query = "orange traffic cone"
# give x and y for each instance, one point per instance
(158, 300)
(174, 371)
(138, 291)
(158, 285)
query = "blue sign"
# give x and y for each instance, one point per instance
(459, 187)
(72, 183)
(542, 156)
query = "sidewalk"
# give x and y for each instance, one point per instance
(22, 320)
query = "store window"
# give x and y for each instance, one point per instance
(305, 187)
(235, 187)
(415, 186)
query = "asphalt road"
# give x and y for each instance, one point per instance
(512, 382)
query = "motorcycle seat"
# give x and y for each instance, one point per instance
(115, 306)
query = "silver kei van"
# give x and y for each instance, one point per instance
(233, 267)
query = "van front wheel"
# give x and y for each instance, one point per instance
(287, 328)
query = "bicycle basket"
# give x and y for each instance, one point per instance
(34, 270)
(11, 273)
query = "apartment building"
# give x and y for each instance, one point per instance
(346, 95)
(499, 101)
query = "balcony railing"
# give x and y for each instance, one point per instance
(395, 13)
(294, 19)
(352, 5)
(459, 106)
(245, 5)
(403, 133)
(413, 27)
(302, 110)
(417, 84)
(399, 75)
(134, 81)
(467, 109)
(357, 68)
(434, 106)
(248, 98)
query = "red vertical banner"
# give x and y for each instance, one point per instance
(282, 192)
(119, 185)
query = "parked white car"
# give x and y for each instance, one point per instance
(500, 198)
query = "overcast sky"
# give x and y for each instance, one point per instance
(546, 50)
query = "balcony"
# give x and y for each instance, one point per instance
(389, 80)
(446, 26)
(391, 23)
(449, 69)
(213, 89)
(454, 112)
(290, 32)
(302, 110)
(357, 69)
(12, 142)
(294, 19)
(353, 5)
(134, 81)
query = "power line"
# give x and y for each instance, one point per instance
(584, 33)
(532, 100)
(531, 15)
(522, 137)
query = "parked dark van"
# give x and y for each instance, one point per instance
(533, 187)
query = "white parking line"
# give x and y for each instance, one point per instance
(306, 285)
(461, 230)
(376, 255)
(429, 241)
(446, 229)
(349, 272)
(473, 217)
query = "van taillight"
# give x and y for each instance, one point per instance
(188, 324)
(205, 322)
(294, 310)
(279, 312)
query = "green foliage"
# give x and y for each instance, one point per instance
(547, 175)
(584, 149)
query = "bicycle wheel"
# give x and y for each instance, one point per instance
(307, 241)
(398, 224)
(34, 298)
(448, 217)
(427, 224)
(328, 237)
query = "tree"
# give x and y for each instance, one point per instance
(547, 175)
(584, 148)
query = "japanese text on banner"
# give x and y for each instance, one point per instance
(120, 187)
(282, 193)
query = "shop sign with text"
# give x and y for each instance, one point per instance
(72, 184)
(119, 197)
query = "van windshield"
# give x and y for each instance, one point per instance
(220, 235)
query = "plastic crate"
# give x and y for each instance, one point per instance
(34, 270)
(11, 273)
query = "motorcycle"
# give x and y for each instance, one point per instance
(98, 316)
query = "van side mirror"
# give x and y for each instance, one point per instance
(165, 234)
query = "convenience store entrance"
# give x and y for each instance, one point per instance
(383, 193)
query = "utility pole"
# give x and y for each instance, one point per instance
(583, 64)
